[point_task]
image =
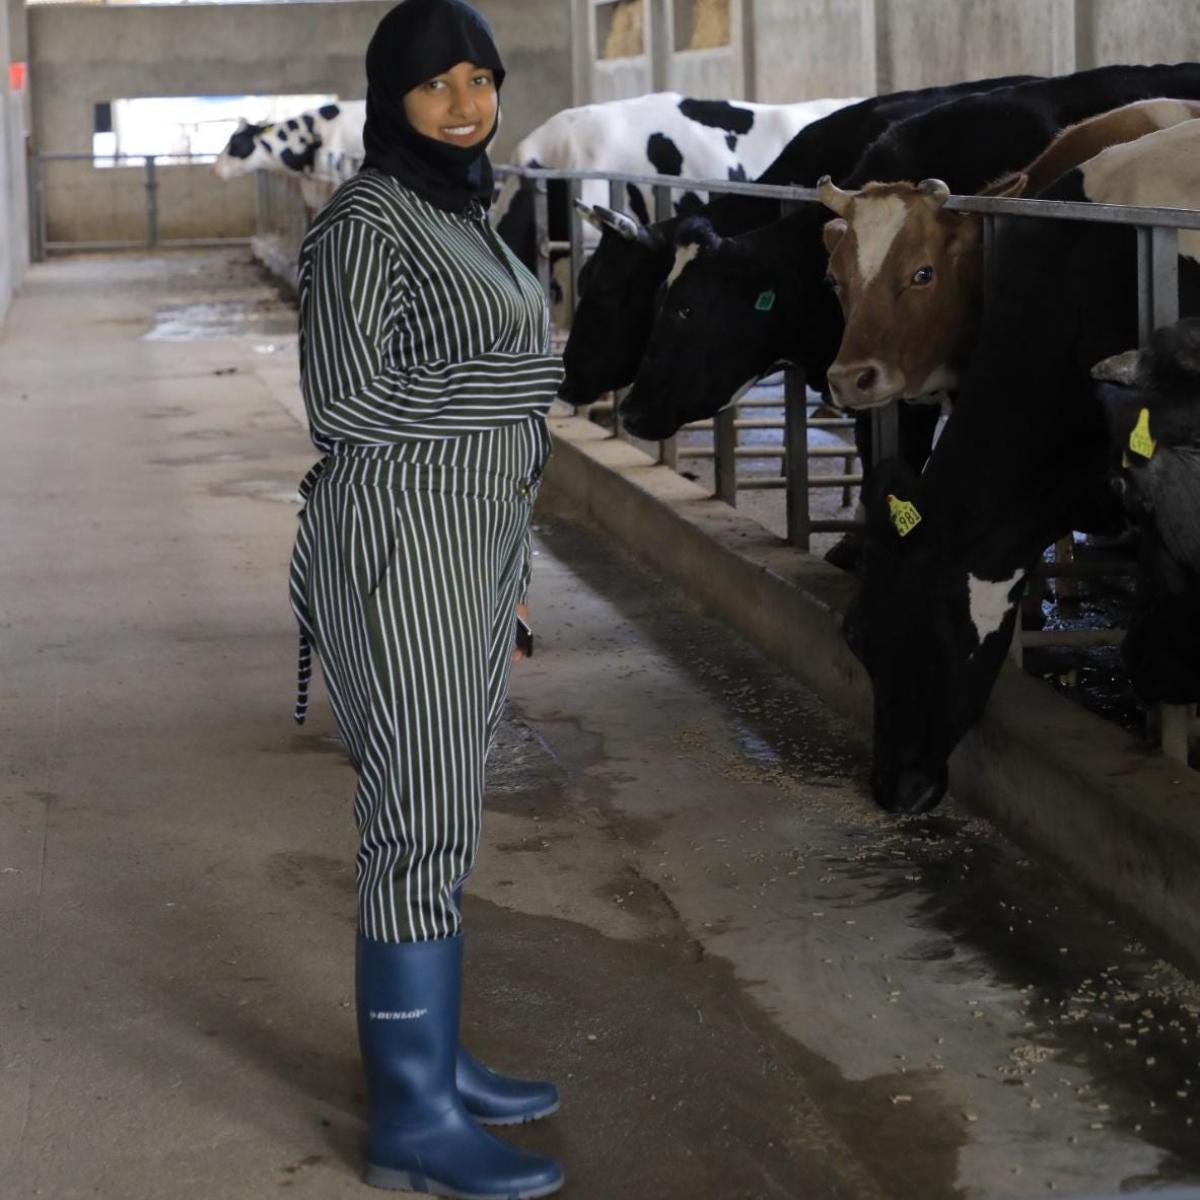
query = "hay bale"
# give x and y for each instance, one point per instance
(625, 35)
(710, 24)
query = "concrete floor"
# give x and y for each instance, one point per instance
(747, 982)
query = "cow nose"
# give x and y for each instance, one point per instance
(856, 384)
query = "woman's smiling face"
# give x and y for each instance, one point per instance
(458, 106)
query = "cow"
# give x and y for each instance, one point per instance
(618, 284)
(1023, 460)
(1154, 423)
(908, 272)
(324, 143)
(739, 305)
(662, 133)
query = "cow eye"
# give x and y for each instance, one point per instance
(923, 276)
(685, 313)
(831, 282)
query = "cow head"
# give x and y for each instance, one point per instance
(931, 634)
(1153, 417)
(612, 322)
(723, 313)
(908, 275)
(290, 145)
(244, 151)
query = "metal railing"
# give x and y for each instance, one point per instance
(1158, 305)
(93, 202)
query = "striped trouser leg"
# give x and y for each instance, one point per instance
(410, 595)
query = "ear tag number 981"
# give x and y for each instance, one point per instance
(904, 515)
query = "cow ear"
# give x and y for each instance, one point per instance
(242, 124)
(833, 233)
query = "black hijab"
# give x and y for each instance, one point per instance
(417, 40)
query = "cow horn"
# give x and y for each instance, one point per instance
(935, 189)
(586, 214)
(618, 222)
(833, 197)
(1118, 368)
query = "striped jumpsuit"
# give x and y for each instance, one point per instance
(426, 373)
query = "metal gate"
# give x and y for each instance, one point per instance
(135, 201)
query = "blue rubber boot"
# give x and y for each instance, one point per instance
(494, 1099)
(422, 1139)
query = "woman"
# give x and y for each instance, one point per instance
(426, 373)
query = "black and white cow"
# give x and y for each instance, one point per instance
(661, 133)
(713, 335)
(1024, 459)
(324, 143)
(618, 286)
(1155, 427)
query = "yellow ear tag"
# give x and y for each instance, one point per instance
(1140, 441)
(904, 515)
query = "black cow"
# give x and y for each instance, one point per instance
(716, 331)
(1023, 461)
(1155, 427)
(612, 325)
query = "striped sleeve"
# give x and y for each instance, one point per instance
(354, 389)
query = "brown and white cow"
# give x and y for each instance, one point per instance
(909, 272)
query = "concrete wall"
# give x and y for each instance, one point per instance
(83, 54)
(1114, 31)
(786, 50)
(805, 49)
(924, 42)
(14, 227)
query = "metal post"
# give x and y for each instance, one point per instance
(616, 195)
(616, 198)
(725, 454)
(151, 203)
(1158, 280)
(39, 223)
(1158, 305)
(667, 450)
(795, 445)
(541, 221)
(575, 234)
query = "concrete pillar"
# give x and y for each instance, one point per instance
(583, 51)
(660, 32)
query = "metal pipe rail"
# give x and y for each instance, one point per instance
(1158, 232)
(40, 242)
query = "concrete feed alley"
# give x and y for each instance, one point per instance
(747, 981)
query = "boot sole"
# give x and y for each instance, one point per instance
(523, 1120)
(410, 1181)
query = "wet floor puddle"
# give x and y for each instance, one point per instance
(264, 317)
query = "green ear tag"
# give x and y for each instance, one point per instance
(904, 515)
(1140, 440)
(765, 302)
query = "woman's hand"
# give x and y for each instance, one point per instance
(523, 612)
